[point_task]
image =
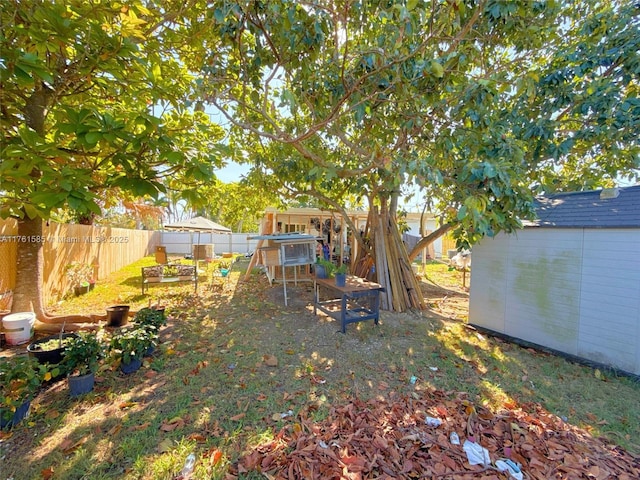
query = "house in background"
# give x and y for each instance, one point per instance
(328, 225)
(569, 281)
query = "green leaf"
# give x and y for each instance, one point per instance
(436, 69)
(30, 210)
(219, 15)
(173, 157)
(92, 138)
(156, 73)
(489, 170)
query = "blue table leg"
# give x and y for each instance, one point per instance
(343, 313)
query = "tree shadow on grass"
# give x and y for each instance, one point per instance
(214, 384)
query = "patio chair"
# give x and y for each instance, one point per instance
(221, 275)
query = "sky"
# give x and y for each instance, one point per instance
(232, 172)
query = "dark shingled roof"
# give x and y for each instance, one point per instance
(589, 210)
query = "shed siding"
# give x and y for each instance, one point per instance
(609, 307)
(490, 283)
(573, 290)
(542, 295)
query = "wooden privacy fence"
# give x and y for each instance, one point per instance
(448, 243)
(106, 249)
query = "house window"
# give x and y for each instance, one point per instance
(295, 227)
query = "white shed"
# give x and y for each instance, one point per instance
(569, 281)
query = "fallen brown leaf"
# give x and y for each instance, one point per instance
(270, 360)
(68, 446)
(142, 426)
(197, 437)
(47, 473)
(51, 414)
(388, 439)
(165, 445)
(172, 424)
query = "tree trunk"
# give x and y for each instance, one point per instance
(392, 266)
(27, 294)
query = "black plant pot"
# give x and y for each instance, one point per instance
(131, 367)
(160, 309)
(53, 356)
(21, 413)
(79, 385)
(117, 315)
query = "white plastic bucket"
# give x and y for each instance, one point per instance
(18, 327)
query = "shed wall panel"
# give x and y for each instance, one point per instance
(611, 288)
(489, 286)
(543, 288)
(573, 290)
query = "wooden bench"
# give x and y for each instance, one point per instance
(169, 273)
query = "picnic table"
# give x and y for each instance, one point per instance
(357, 301)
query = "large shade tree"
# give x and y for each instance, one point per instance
(238, 205)
(94, 105)
(574, 111)
(477, 102)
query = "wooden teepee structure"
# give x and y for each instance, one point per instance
(386, 261)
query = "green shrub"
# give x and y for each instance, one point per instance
(83, 353)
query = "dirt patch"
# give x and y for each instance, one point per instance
(450, 302)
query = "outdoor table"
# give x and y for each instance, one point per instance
(357, 301)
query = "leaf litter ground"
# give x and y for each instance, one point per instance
(260, 390)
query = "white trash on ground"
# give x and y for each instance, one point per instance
(511, 467)
(476, 454)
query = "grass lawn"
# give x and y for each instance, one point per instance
(236, 367)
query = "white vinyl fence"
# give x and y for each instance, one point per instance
(181, 243)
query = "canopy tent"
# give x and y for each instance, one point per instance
(197, 224)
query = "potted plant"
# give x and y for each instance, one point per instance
(325, 268)
(224, 267)
(150, 316)
(50, 349)
(20, 379)
(117, 315)
(341, 275)
(81, 358)
(130, 345)
(79, 275)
